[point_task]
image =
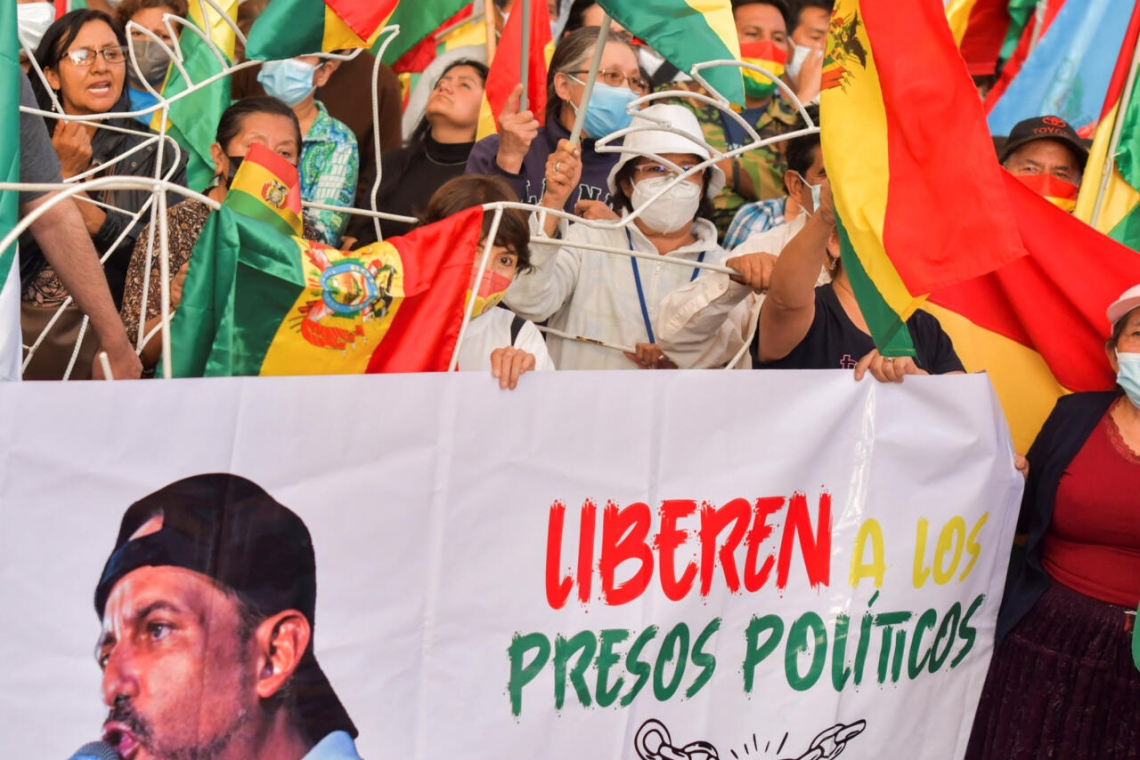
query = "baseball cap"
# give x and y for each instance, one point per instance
(646, 137)
(1045, 128)
(229, 529)
(1128, 301)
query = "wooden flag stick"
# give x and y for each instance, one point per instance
(524, 101)
(490, 13)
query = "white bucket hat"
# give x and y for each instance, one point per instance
(1128, 301)
(647, 138)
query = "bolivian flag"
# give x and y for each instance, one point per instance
(194, 117)
(258, 300)
(288, 28)
(920, 206)
(1119, 212)
(686, 32)
(506, 69)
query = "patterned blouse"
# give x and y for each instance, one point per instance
(330, 165)
(184, 222)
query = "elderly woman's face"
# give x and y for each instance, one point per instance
(93, 84)
(1129, 340)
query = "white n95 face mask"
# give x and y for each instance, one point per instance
(32, 20)
(796, 62)
(673, 210)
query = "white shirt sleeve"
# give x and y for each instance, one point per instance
(538, 294)
(705, 323)
(530, 340)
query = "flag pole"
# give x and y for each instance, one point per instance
(1110, 156)
(525, 48)
(489, 16)
(588, 90)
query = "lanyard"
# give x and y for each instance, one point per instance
(641, 293)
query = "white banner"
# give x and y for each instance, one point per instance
(11, 340)
(775, 565)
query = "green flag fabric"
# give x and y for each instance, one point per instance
(686, 32)
(194, 118)
(416, 19)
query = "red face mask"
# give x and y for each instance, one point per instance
(1060, 193)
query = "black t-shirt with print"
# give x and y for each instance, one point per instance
(834, 342)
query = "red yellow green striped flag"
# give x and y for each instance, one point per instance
(686, 32)
(1119, 212)
(915, 214)
(506, 69)
(288, 28)
(261, 301)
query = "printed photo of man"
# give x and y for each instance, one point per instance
(208, 611)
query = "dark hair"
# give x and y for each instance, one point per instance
(419, 135)
(1118, 329)
(128, 8)
(468, 190)
(57, 39)
(571, 54)
(797, 10)
(622, 201)
(780, 5)
(575, 17)
(799, 152)
(230, 125)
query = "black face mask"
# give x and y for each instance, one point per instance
(235, 164)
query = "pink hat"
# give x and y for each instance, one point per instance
(1128, 301)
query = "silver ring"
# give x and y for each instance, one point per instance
(557, 166)
(890, 358)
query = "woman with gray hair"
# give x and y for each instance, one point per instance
(519, 151)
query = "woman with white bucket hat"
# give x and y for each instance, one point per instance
(608, 297)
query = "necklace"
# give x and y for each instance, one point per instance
(443, 163)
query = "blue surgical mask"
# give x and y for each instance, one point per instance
(1128, 375)
(816, 192)
(290, 81)
(606, 112)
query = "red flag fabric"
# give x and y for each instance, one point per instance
(506, 69)
(1013, 65)
(426, 329)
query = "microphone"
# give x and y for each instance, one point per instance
(96, 751)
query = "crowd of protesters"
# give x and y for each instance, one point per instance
(1062, 682)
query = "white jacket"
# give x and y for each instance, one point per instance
(593, 294)
(707, 322)
(492, 330)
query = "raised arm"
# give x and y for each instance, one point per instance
(789, 309)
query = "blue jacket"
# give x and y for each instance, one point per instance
(531, 179)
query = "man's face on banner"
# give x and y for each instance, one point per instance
(178, 670)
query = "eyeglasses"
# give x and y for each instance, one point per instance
(618, 79)
(660, 170)
(85, 57)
